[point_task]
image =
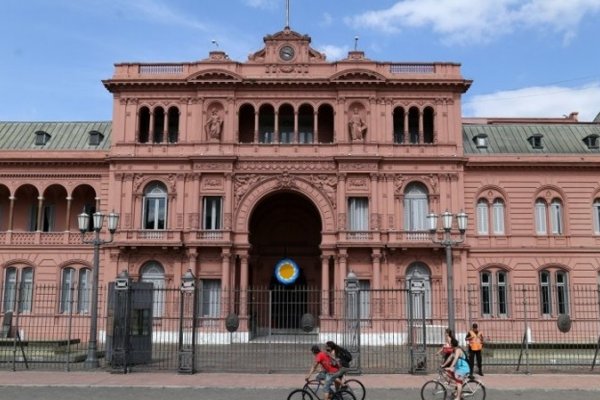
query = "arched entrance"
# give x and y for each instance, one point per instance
(284, 268)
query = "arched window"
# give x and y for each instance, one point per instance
(158, 128)
(21, 278)
(155, 206)
(482, 217)
(419, 272)
(144, 125)
(428, 127)
(496, 217)
(596, 216)
(266, 124)
(554, 291)
(154, 273)
(75, 290)
(286, 124)
(173, 121)
(399, 116)
(306, 122)
(494, 292)
(325, 125)
(416, 208)
(549, 215)
(246, 124)
(413, 124)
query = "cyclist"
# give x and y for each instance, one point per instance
(326, 362)
(457, 366)
(333, 349)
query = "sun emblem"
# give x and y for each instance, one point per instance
(286, 271)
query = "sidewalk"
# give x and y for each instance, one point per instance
(258, 381)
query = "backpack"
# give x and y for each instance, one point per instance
(462, 363)
(344, 356)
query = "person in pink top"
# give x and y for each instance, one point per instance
(329, 366)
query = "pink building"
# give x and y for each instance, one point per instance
(226, 168)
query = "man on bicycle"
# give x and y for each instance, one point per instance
(326, 362)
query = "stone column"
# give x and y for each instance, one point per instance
(225, 280)
(243, 285)
(68, 214)
(324, 285)
(11, 212)
(316, 127)
(39, 214)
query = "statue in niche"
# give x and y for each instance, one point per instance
(357, 126)
(214, 125)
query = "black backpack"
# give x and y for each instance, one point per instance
(344, 356)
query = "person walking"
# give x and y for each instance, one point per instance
(475, 340)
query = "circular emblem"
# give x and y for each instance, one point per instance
(287, 271)
(286, 53)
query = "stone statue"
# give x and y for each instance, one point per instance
(214, 125)
(357, 126)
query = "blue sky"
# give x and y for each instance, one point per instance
(526, 57)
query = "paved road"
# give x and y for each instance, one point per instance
(139, 393)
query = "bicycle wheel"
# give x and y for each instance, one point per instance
(473, 390)
(356, 387)
(343, 394)
(433, 390)
(300, 394)
(312, 386)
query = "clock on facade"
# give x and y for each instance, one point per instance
(286, 53)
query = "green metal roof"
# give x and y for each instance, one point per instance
(63, 135)
(513, 138)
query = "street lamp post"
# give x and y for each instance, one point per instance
(83, 220)
(447, 241)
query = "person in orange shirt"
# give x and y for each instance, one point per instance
(475, 340)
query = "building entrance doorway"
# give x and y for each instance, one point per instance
(284, 267)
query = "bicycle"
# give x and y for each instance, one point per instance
(352, 385)
(442, 388)
(311, 391)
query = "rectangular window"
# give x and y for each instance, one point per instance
(10, 289)
(562, 299)
(502, 293)
(210, 298)
(285, 137)
(66, 290)
(305, 137)
(26, 290)
(498, 212)
(596, 212)
(556, 218)
(84, 292)
(358, 214)
(486, 293)
(540, 218)
(212, 213)
(482, 218)
(265, 137)
(545, 297)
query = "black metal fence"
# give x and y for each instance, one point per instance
(46, 328)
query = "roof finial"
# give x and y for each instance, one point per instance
(355, 43)
(287, 13)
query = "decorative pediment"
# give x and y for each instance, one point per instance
(215, 75)
(357, 75)
(287, 47)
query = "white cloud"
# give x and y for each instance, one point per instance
(333, 52)
(266, 4)
(475, 21)
(540, 101)
(326, 20)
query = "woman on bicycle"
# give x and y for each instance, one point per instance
(457, 366)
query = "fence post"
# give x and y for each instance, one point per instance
(352, 320)
(187, 324)
(525, 341)
(598, 341)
